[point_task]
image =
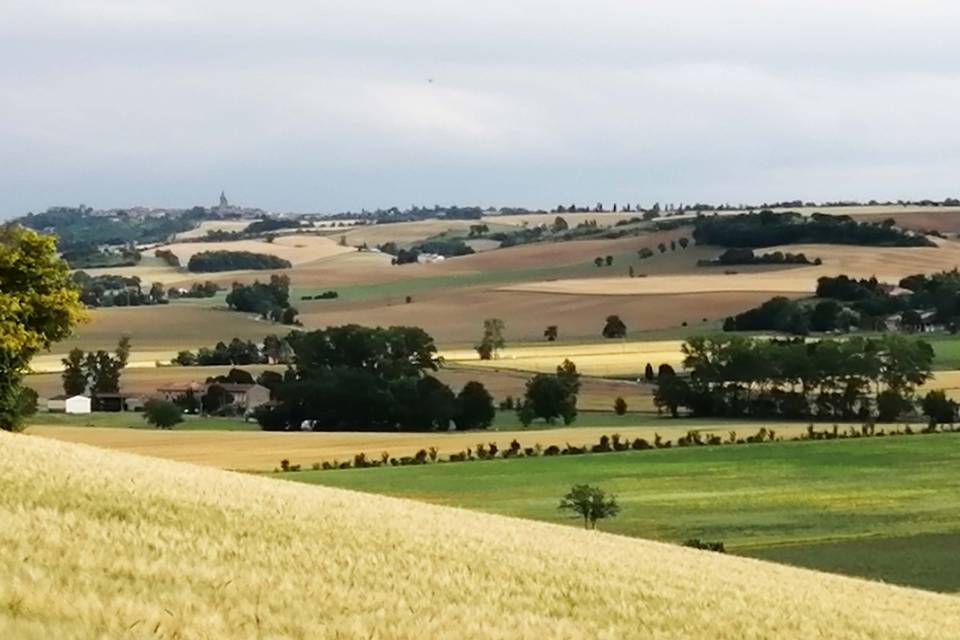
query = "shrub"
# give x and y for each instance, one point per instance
(620, 406)
(697, 543)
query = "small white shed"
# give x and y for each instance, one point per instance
(77, 404)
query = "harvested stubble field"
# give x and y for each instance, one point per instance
(262, 450)
(887, 264)
(206, 226)
(95, 546)
(297, 248)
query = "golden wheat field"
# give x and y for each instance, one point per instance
(613, 357)
(99, 544)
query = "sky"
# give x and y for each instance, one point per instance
(322, 106)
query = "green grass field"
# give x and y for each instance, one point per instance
(134, 420)
(831, 505)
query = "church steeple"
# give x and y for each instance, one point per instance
(223, 200)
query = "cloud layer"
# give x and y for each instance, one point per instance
(324, 106)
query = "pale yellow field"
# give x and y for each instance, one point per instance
(402, 232)
(214, 225)
(887, 264)
(297, 248)
(614, 357)
(263, 450)
(572, 219)
(99, 544)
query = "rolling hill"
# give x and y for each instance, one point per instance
(102, 544)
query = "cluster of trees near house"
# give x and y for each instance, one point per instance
(448, 248)
(90, 256)
(858, 378)
(271, 300)
(732, 257)
(213, 261)
(767, 229)
(353, 377)
(206, 289)
(846, 303)
(95, 372)
(116, 291)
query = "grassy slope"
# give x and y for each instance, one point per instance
(750, 497)
(94, 545)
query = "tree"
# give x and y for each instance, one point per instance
(74, 374)
(104, 369)
(38, 306)
(559, 224)
(620, 406)
(590, 503)
(672, 393)
(938, 408)
(683, 242)
(551, 333)
(662, 248)
(215, 399)
(28, 401)
(475, 408)
(648, 373)
(492, 341)
(598, 261)
(609, 261)
(614, 328)
(552, 396)
(162, 414)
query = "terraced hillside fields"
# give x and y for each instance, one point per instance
(95, 544)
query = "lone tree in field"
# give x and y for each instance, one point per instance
(598, 261)
(162, 414)
(683, 242)
(620, 406)
(559, 224)
(614, 328)
(590, 503)
(38, 306)
(648, 373)
(493, 340)
(609, 261)
(551, 333)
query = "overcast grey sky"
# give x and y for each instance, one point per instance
(314, 105)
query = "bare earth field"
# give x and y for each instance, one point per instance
(887, 264)
(93, 546)
(456, 318)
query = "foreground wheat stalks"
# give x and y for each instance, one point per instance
(100, 544)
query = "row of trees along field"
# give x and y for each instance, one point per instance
(847, 303)
(859, 378)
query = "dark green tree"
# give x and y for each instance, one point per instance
(74, 373)
(475, 408)
(162, 414)
(614, 328)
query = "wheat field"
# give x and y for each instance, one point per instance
(100, 544)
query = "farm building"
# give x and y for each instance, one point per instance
(74, 404)
(244, 396)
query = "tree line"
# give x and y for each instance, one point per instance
(766, 229)
(858, 378)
